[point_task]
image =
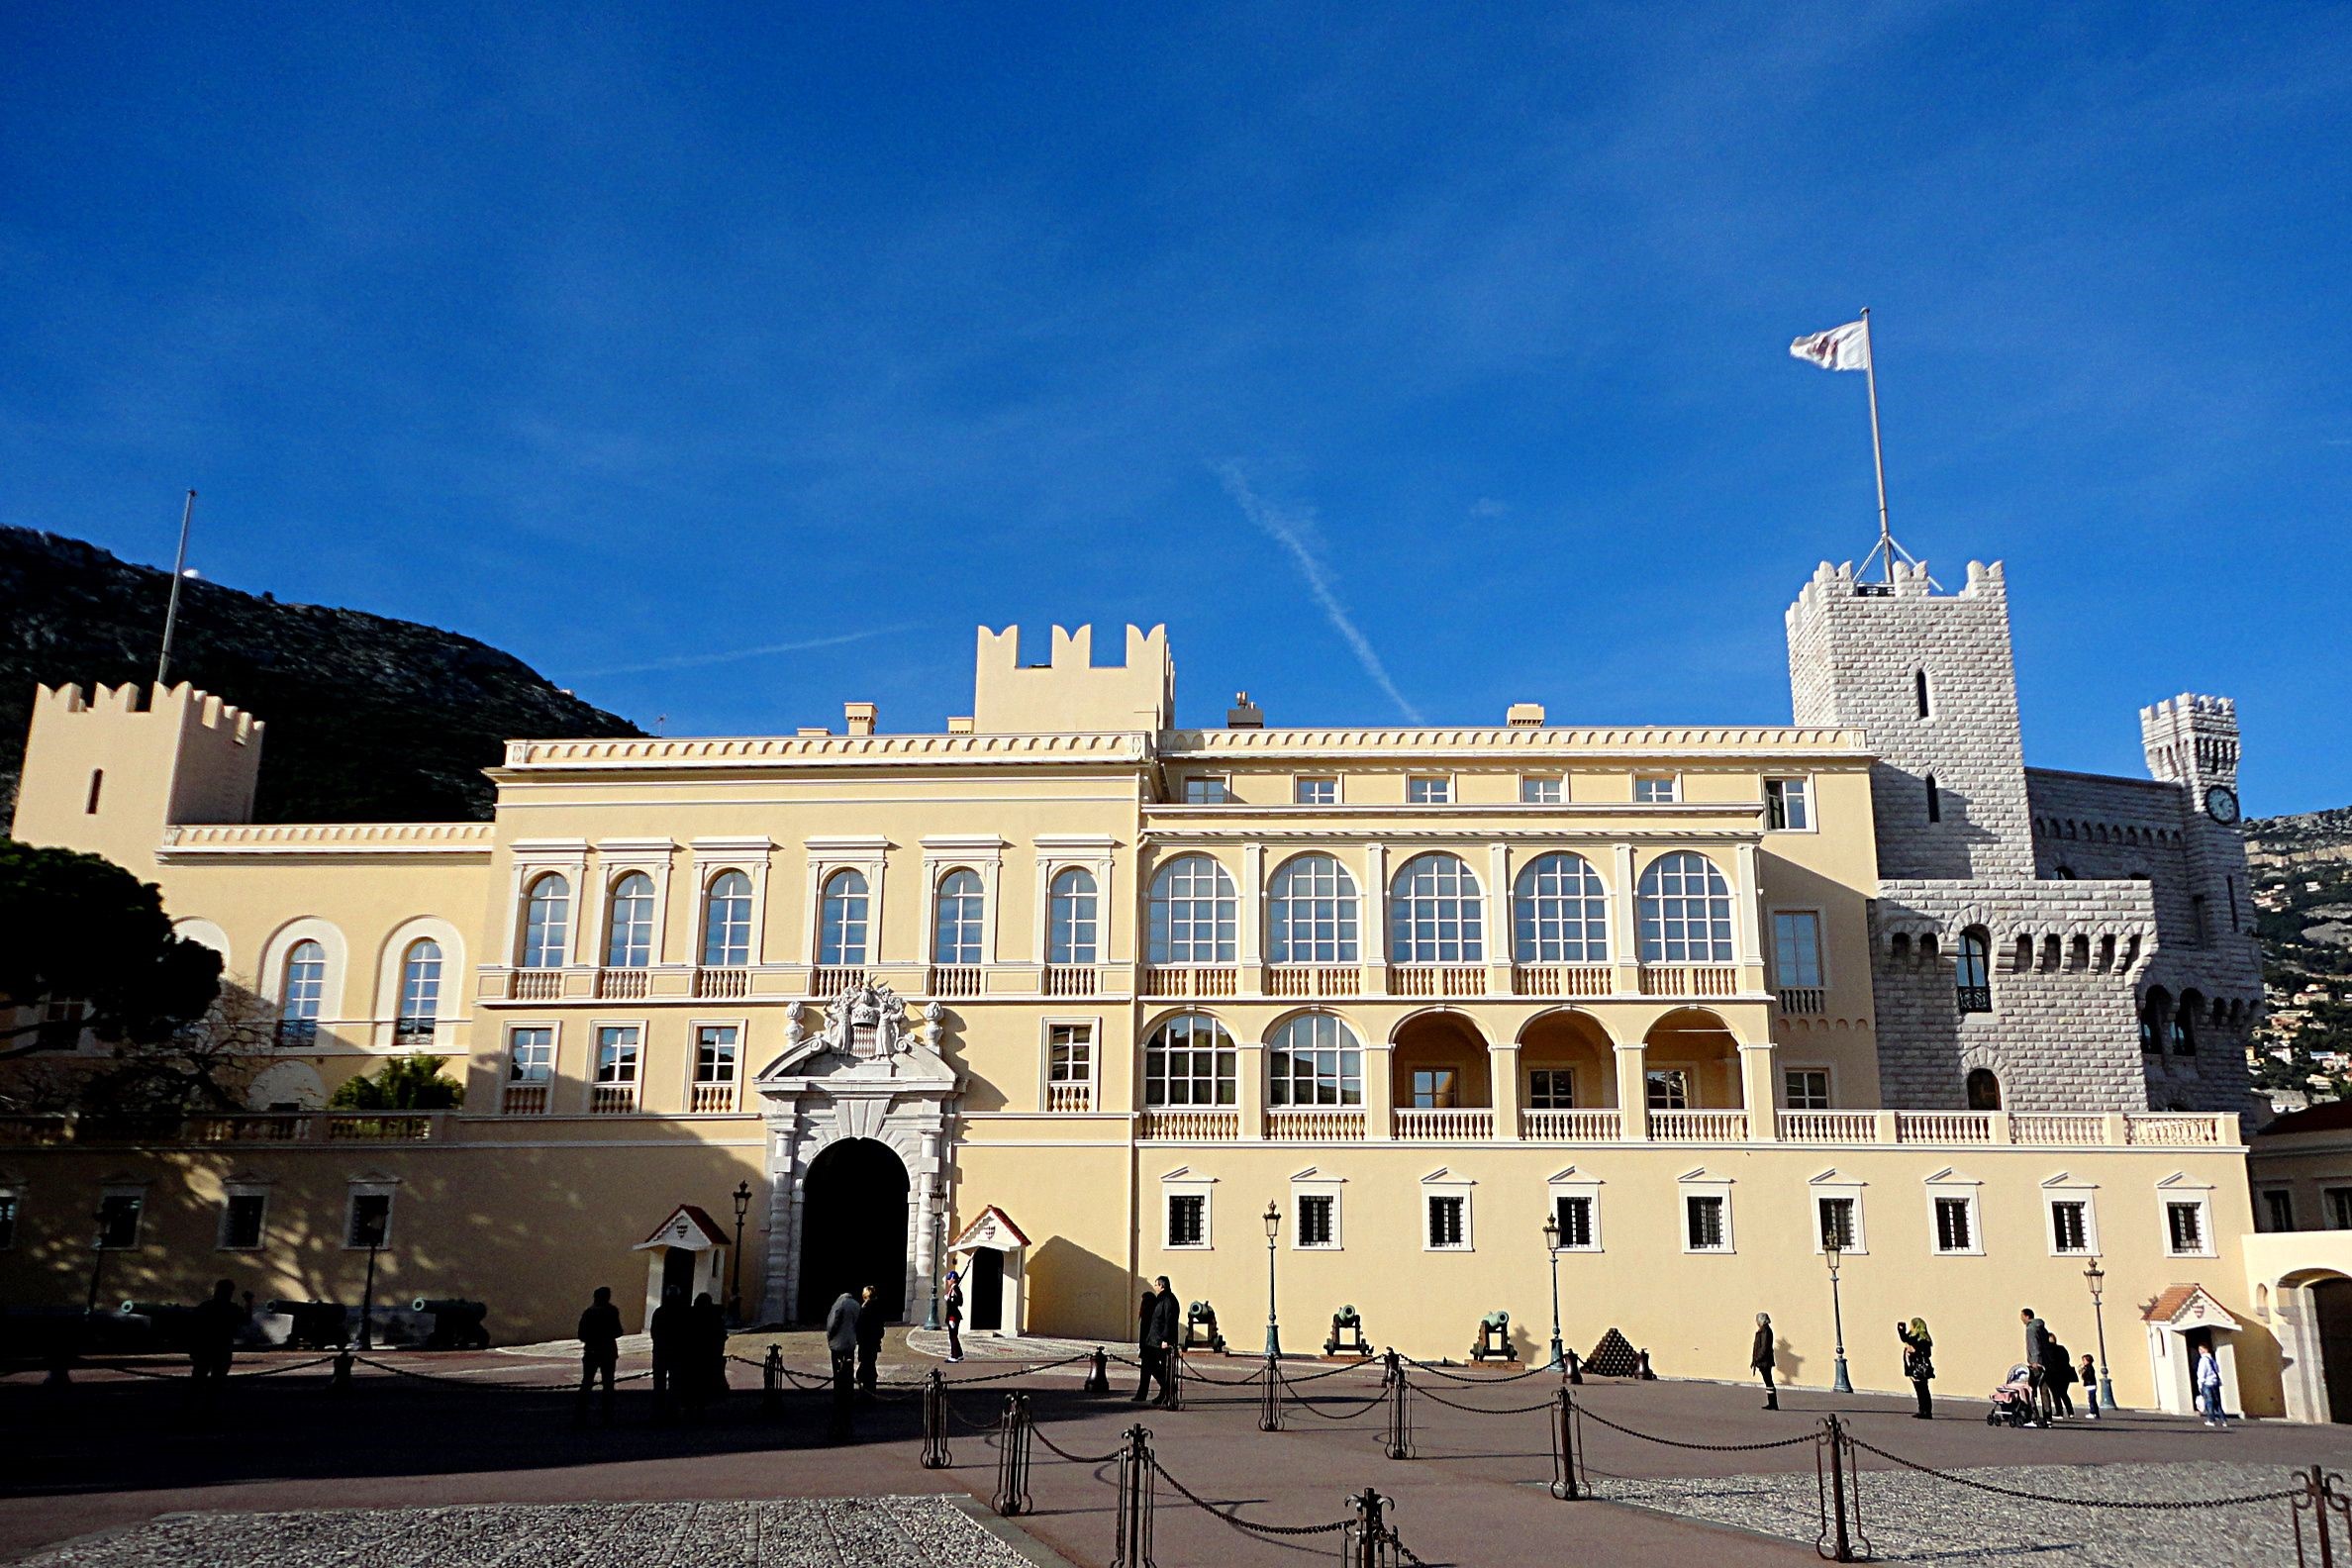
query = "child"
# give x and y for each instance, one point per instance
(2090, 1377)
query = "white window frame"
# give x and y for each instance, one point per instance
(1821, 926)
(867, 855)
(1300, 783)
(982, 854)
(979, 932)
(1443, 1183)
(596, 1042)
(1182, 1183)
(608, 935)
(1091, 1022)
(1059, 853)
(714, 856)
(136, 1190)
(706, 885)
(1312, 1183)
(1444, 783)
(2179, 1187)
(616, 859)
(1812, 801)
(1701, 1185)
(1828, 1084)
(1571, 1183)
(1555, 783)
(535, 858)
(384, 1187)
(1672, 781)
(505, 1064)
(1830, 1184)
(244, 1188)
(2064, 1188)
(692, 1066)
(1219, 784)
(1951, 1183)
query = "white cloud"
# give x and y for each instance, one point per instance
(693, 661)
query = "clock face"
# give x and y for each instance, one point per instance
(2223, 804)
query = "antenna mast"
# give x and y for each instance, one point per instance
(179, 565)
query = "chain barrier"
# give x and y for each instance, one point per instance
(1368, 1541)
(1011, 1494)
(2163, 1505)
(1480, 1409)
(1513, 1377)
(462, 1382)
(1272, 1532)
(1569, 1481)
(160, 1375)
(1131, 1547)
(2325, 1505)
(1699, 1447)
(1085, 1459)
(1837, 1490)
(1308, 1404)
(934, 1423)
(1177, 1357)
(1351, 1366)
(1396, 1440)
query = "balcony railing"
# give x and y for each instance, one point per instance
(415, 1033)
(623, 985)
(1829, 1127)
(265, 1127)
(1417, 1124)
(1596, 1125)
(535, 985)
(1068, 1097)
(1943, 1126)
(712, 1098)
(722, 984)
(1069, 980)
(1698, 1127)
(1803, 999)
(1437, 980)
(1314, 980)
(373, 1127)
(1563, 980)
(2056, 1130)
(524, 1099)
(1190, 980)
(1689, 980)
(830, 980)
(2158, 1130)
(613, 1098)
(953, 980)
(1315, 1124)
(1191, 1125)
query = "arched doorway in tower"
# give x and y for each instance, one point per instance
(853, 1227)
(2331, 1310)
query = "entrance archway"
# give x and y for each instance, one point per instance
(2332, 1307)
(854, 1220)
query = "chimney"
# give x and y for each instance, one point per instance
(1524, 716)
(1244, 713)
(961, 725)
(857, 719)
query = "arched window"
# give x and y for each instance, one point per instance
(1920, 691)
(1560, 912)
(1436, 913)
(957, 917)
(546, 922)
(1190, 1061)
(419, 991)
(1070, 918)
(1685, 906)
(1934, 799)
(726, 922)
(1314, 1061)
(2155, 1018)
(2183, 1036)
(1984, 1090)
(1193, 913)
(1973, 970)
(628, 930)
(1311, 902)
(304, 992)
(842, 921)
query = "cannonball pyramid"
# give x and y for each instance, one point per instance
(1612, 1357)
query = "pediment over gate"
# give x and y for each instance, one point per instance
(861, 1043)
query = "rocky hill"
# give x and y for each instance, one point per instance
(2302, 899)
(370, 719)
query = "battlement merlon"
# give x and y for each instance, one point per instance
(108, 769)
(1833, 584)
(1068, 694)
(198, 707)
(2191, 740)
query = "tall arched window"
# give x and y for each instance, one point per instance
(1071, 922)
(1194, 913)
(628, 930)
(419, 991)
(2183, 1034)
(304, 992)
(1314, 1061)
(1984, 1090)
(1436, 913)
(1190, 1061)
(842, 921)
(1685, 908)
(1973, 970)
(546, 922)
(1311, 902)
(726, 922)
(1560, 912)
(956, 919)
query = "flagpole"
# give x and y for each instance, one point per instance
(1878, 454)
(179, 565)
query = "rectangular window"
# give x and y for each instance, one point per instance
(1795, 949)
(715, 1053)
(1316, 792)
(1429, 791)
(1069, 1054)
(8, 1219)
(2198, 921)
(1702, 1222)
(1206, 791)
(2278, 1211)
(1541, 792)
(2070, 1228)
(2340, 1207)
(1551, 1089)
(1575, 1216)
(1836, 1222)
(1787, 805)
(1449, 1223)
(1188, 1219)
(531, 1056)
(372, 1221)
(1318, 1212)
(1177, 1074)
(118, 1214)
(617, 1054)
(2184, 1229)
(1955, 1225)
(242, 1216)
(1432, 1089)
(1656, 789)
(1668, 1088)
(1807, 1088)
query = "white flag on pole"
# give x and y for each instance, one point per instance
(1845, 348)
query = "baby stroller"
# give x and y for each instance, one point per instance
(2012, 1401)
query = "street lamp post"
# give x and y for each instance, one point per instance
(734, 1259)
(1551, 1244)
(97, 1269)
(375, 1244)
(2095, 1278)
(1273, 1228)
(1833, 1247)
(931, 1319)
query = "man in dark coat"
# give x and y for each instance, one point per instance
(212, 1345)
(672, 1333)
(1760, 1360)
(871, 1319)
(600, 1348)
(2037, 1363)
(704, 1375)
(840, 1339)
(1157, 1338)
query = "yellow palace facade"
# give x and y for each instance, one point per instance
(1083, 996)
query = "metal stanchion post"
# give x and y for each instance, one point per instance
(1098, 1381)
(1567, 1463)
(1013, 1457)
(934, 1422)
(1270, 1398)
(1132, 1547)
(771, 1380)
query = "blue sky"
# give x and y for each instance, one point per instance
(1404, 360)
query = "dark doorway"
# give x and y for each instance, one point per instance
(2331, 1305)
(1984, 1091)
(853, 1227)
(988, 1288)
(677, 1274)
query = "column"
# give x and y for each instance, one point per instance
(1759, 1089)
(1632, 1073)
(1251, 946)
(1624, 934)
(1249, 1074)
(1379, 1094)
(1747, 899)
(1503, 1072)
(1372, 926)
(1498, 920)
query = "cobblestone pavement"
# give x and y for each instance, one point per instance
(1913, 1518)
(806, 1532)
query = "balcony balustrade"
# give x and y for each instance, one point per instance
(611, 1099)
(623, 985)
(2158, 1130)
(1191, 1125)
(1315, 1124)
(1314, 980)
(1183, 981)
(1689, 980)
(722, 984)
(830, 980)
(1563, 980)
(712, 1098)
(1943, 1126)
(1593, 1126)
(1069, 1097)
(1829, 1127)
(535, 985)
(2056, 1130)
(1698, 1127)
(1804, 1001)
(1421, 1125)
(524, 1099)
(1069, 980)
(953, 980)
(1437, 980)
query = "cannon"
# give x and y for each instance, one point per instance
(456, 1324)
(1200, 1315)
(1347, 1333)
(314, 1324)
(165, 1322)
(1493, 1338)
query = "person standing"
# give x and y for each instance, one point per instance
(840, 1339)
(1160, 1331)
(2037, 1364)
(953, 1310)
(212, 1345)
(600, 1348)
(870, 1323)
(1760, 1360)
(670, 1329)
(2089, 1375)
(1146, 1354)
(1919, 1362)
(2209, 1387)
(2062, 1376)
(707, 1334)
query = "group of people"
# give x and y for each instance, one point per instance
(689, 1350)
(2055, 1374)
(2052, 1366)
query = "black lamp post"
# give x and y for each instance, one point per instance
(2095, 1278)
(930, 1319)
(89, 1325)
(734, 1259)
(1273, 1228)
(375, 1244)
(1832, 1248)
(1551, 1244)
